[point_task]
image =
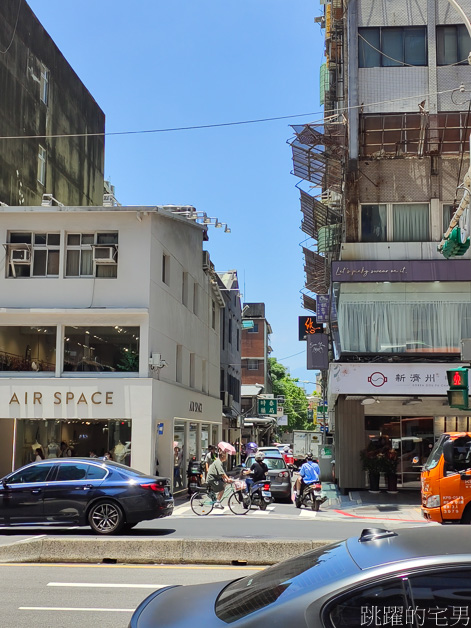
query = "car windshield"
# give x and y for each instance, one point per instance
(283, 581)
(435, 454)
(272, 463)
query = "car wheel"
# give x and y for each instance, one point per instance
(106, 517)
(466, 517)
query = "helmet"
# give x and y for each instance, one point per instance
(259, 455)
(309, 456)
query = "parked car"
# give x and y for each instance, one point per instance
(420, 575)
(279, 475)
(106, 495)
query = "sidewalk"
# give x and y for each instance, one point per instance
(401, 506)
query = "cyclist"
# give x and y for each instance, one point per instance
(258, 471)
(308, 474)
(217, 477)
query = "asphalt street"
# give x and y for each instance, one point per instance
(73, 596)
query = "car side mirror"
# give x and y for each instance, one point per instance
(448, 452)
(4, 482)
(243, 465)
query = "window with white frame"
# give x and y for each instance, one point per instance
(92, 255)
(42, 159)
(448, 213)
(395, 222)
(32, 254)
(392, 46)
(252, 365)
(44, 84)
(453, 45)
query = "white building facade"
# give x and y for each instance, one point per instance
(109, 336)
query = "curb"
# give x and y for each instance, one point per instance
(150, 551)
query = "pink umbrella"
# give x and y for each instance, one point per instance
(227, 447)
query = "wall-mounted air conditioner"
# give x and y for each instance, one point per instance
(104, 254)
(206, 260)
(20, 256)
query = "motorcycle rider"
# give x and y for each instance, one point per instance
(308, 474)
(258, 471)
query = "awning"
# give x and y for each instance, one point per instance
(250, 390)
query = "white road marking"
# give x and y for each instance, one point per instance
(179, 510)
(308, 514)
(75, 610)
(107, 585)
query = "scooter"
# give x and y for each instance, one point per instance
(260, 494)
(194, 475)
(311, 497)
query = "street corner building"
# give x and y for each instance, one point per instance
(381, 177)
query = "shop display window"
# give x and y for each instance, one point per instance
(31, 349)
(101, 349)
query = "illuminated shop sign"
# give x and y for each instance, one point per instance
(68, 398)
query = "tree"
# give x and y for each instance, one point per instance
(295, 406)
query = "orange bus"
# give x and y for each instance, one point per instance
(446, 480)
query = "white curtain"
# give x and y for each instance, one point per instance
(411, 223)
(399, 327)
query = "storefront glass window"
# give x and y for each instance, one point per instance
(192, 444)
(119, 441)
(178, 441)
(103, 349)
(204, 438)
(30, 349)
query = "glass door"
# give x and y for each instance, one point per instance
(413, 447)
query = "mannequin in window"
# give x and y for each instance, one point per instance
(53, 449)
(119, 452)
(36, 446)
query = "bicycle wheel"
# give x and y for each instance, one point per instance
(239, 503)
(201, 504)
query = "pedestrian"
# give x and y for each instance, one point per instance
(177, 462)
(209, 458)
(108, 455)
(92, 454)
(39, 455)
(217, 478)
(65, 451)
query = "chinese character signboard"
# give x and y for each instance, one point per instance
(317, 352)
(307, 326)
(268, 406)
(322, 308)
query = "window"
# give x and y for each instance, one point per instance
(92, 255)
(96, 473)
(399, 222)
(388, 47)
(448, 212)
(453, 45)
(73, 471)
(252, 365)
(442, 597)
(179, 364)
(42, 156)
(192, 370)
(185, 289)
(38, 473)
(101, 349)
(229, 332)
(30, 349)
(195, 298)
(213, 315)
(44, 84)
(166, 269)
(33, 254)
(238, 339)
(359, 608)
(254, 329)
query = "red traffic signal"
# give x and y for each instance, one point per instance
(457, 378)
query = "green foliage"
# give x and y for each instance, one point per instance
(295, 406)
(128, 362)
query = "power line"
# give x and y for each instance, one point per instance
(226, 124)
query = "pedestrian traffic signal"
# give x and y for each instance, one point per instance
(458, 388)
(456, 243)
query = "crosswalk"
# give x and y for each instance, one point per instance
(274, 512)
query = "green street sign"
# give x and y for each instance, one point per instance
(267, 406)
(322, 409)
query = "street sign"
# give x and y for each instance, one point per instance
(322, 308)
(282, 420)
(267, 406)
(310, 414)
(322, 409)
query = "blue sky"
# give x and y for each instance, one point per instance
(155, 64)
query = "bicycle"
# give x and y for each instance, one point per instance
(239, 502)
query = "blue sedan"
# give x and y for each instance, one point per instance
(107, 496)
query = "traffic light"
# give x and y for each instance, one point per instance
(458, 388)
(454, 244)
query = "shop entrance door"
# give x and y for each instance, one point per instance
(413, 447)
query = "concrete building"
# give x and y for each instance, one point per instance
(256, 378)
(386, 162)
(109, 335)
(43, 98)
(230, 326)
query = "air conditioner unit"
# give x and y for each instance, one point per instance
(206, 260)
(20, 256)
(104, 254)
